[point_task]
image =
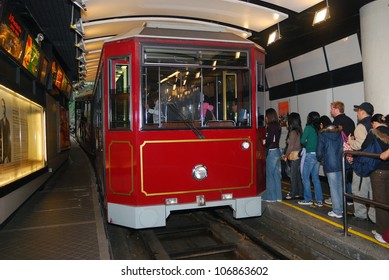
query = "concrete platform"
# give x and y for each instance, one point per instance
(312, 227)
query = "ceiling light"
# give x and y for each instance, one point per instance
(82, 72)
(80, 4)
(170, 76)
(81, 45)
(322, 15)
(274, 36)
(78, 27)
(81, 58)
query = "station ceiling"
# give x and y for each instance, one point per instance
(102, 20)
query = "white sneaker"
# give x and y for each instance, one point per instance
(334, 215)
(305, 202)
(328, 201)
(378, 237)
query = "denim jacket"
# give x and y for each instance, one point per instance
(330, 148)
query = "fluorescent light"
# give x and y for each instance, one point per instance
(170, 76)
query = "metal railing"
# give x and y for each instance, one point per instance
(355, 197)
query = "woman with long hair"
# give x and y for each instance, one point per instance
(309, 140)
(291, 155)
(273, 157)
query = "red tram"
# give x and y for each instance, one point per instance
(177, 123)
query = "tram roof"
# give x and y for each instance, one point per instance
(185, 32)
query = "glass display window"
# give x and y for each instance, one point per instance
(22, 137)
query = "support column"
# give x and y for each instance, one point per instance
(374, 19)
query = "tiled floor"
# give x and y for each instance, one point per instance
(62, 221)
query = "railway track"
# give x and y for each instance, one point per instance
(202, 235)
(205, 235)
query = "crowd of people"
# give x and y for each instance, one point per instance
(322, 142)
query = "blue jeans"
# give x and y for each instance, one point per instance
(335, 183)
(311, 168)
(273, 175)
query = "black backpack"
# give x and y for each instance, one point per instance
(363, 165)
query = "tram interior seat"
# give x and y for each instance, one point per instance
(220, 123)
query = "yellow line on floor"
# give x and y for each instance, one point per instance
(372, 239)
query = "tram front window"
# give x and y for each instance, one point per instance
(203, 95)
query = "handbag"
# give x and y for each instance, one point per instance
(293, 155)
(347, 147)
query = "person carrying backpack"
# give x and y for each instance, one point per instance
(362, 187)
(380, 177)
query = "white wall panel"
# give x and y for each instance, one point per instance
(309, 64)
(350, 95)
(343, 52)
(279, 74)
(318, 101)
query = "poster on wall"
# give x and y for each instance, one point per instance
(64, 129)
(5, 131)
(10, 36)
(31, 56)
(22, 149)
(54, 72)
(59, 77)
(43, 73)
(283, 111)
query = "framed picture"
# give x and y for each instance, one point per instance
(283, 111)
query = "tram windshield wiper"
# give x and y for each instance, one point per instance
(187, 122)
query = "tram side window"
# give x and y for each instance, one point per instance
(260, 69)
(119, 93)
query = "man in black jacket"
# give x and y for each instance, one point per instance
(348, 125)
(341, 119)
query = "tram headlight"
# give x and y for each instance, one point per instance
(199, 172)
(245, 145)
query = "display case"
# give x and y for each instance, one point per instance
(22, 137)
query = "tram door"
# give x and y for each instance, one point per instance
(119, 129)
(98, 132)
(260, 111)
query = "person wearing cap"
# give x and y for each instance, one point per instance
(361, 186)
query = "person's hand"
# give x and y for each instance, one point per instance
(284, 158)
(384, 155)
(147, 106)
